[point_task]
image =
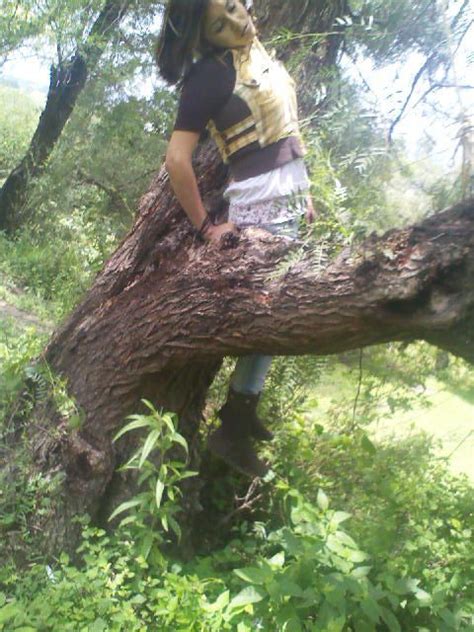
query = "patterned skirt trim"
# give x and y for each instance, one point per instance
(274, 211)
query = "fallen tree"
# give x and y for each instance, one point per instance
(166, 309)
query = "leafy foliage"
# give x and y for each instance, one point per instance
(18, 118)
(158, 503)
(17, 23)
(352, 534)
(308, 573)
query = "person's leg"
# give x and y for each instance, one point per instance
(231, 441)
(250, 371)
(244, 392)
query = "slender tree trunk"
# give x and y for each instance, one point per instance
(166, 308)
(66, 83)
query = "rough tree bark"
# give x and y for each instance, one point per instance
(66, 83)
(165, 310)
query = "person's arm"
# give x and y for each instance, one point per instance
(183, 180)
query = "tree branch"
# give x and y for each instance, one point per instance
(415, 81)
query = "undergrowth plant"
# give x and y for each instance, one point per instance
(307, 575)
(157, 504)
(352, 535)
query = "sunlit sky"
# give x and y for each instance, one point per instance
(388, 88)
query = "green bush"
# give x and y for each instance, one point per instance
(57, 265)
(309, 574)
(402, 561)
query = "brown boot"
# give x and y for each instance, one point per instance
(258, 430)
(238, 453)
(246, 406)
(231, 442)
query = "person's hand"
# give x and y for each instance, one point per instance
(215, 232)
(310, 212)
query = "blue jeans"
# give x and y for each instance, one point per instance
(251, 370)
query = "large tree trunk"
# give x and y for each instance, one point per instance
(66, 83)
(167, 308)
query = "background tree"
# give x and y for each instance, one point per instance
(67, 79)
(18, 22)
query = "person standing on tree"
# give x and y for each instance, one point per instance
(247, 101)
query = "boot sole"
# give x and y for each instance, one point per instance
(225, 453)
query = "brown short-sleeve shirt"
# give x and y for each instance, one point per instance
(206, 89)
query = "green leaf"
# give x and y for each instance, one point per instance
(146, 545)
(345, 539)
(99, 625)
(405, 585)
(289, 588)
(150, 406)
(287, 620)
(219, 604)
(339, 517)
(361, 571)
(367, 445)
(250, 594)
(355, 556)
(291, 543)
(175, 526)
(390, 620)
(128, 520)
(277, 561)
(9, 611)
(148, 446)
(449, 618)
(168, 419)
(292, 625)
(124, 507)
(131, 464)
(160, 487)
(177, 438)
(371, 608)
(187, 474)
(322, 500)
(252, 574)
(336, 625)
(423, 597)
(139, 422)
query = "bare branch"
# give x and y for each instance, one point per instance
(417, 78)
(461, 38)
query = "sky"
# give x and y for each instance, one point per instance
(388, 88)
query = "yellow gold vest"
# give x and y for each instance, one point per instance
(269, 92)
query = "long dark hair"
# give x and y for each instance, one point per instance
(180, 38)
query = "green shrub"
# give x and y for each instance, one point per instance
(57, 265)
(303, 569)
